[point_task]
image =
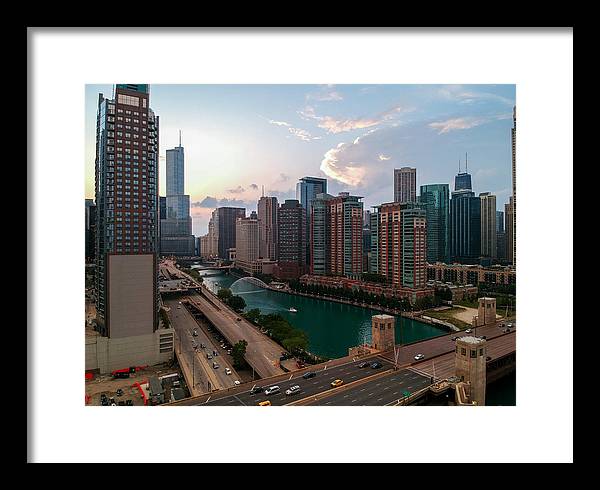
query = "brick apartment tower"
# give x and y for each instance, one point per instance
(405, 185)
(126, 170)
(345, 216)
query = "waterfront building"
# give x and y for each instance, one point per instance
(465, 227)
(405, 185)
(226, 228)
(345, 213)
(366, 246)
(291, 256)
(471, 274)
(126, 285)
(246, 243)
(176, 229)
(90, 231)
(489, 242)
(307, 190)
(486, 312)
(320, 235)
(436, 200)
(513, 239)
(267, 227)
(509, 221)
(374, 252)
(414, 246)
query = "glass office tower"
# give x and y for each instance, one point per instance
(435, 199)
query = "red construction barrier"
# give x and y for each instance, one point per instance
(87, 399)
(143, 393)
(89, 376)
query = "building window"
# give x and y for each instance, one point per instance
(473, 354)
(463, 351)
(129, 100)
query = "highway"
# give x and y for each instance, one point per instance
(262, 353)
(184, 323)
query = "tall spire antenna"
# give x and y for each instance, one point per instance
(263, 190)
(459, 165)
(180, 137)
(466, 162)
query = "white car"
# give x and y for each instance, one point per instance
(227, 371)
(468, 330)
(272, 389)
(293, 390)
(236, 382)
(418, 357)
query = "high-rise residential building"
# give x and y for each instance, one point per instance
(176, 229)
(213, 235)
(162, 207)
(127, 200)
(246, 242)
(336, 235)
(367, 219)
(405, 185)
(291, 249)
(306, 191)
(90, 231)
(489, 244)
(500, 236)
(399, 249)
(226, 229)
(436, 201)
(320, 235)
(366, 245)
(267, 216)
(513, 241)
(465, 227)
(509, 222)
(414, 247)
(126, 169)
(374, 252)
(345, 215)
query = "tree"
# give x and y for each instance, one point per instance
(238, 352)
(237, 303)
(295, 344)
(253, 315)
(224, 294)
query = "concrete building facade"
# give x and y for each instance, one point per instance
(405, 185)
(489, 241)
(383, 332)
(267, 227)
(470, 366)
(291, 258)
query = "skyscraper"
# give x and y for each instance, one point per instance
(509, 221)
(320, 242)
(226, 226)
(246, 242)
(465, 227)
(462, 181)
(489, 242)
(500, 236)
(127, 199)
(291, 249)
(405, 185)
(414, 246)
(345, 215)
(513, 241)
(436, 200)
(90, 231)
(306, 191)
(176, 230)
(267, 225)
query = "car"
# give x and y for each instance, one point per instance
(215, 365)
(208, 356)
(293, 390)
(121, 403)
(229, 352)
(468, 330)
(236, 382)
(488, 358)
(179, 302)
(364, 364)
(202, 346)
(454, 339)
(337, 382)
(264, 403)
(238, 319)
(255, 390)
(179, 307)
(509, 325)
(129, 403)
(483, 337)
(418, 357)
(309, 374)
(195, 333)
(376, 365)
(113, 404)
(119, 392)
(104, 403)
(103, 397)
(507, 330)
(272, 389)
(227, 371)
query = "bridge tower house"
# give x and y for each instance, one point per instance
(470, 366)
(383, 332)
(486, 312)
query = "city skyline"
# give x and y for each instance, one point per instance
(238, 138)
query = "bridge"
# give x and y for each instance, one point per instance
(250, 280)
(400, 380)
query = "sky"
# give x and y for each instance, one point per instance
(239, 138)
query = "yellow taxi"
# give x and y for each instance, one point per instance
(264, 403)
(336, 383)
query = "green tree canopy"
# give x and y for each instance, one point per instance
(237, 303)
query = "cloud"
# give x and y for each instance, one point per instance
(325, 94)
(253, 186)
(279, 123)
(339, 125)
(332, 165)
(283, 177)
(383, 157)
(456, 124)
(464, 95)
(297, 132)
(237, 190)
(281, 195)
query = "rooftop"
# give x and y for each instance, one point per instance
(471, 340)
